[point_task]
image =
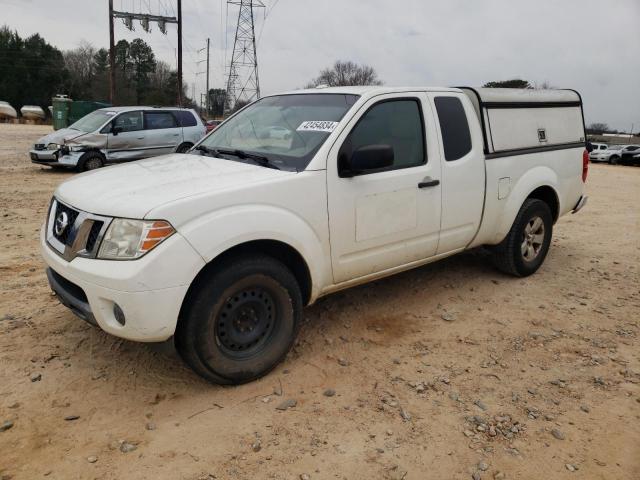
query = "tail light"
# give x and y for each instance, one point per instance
(585, 165)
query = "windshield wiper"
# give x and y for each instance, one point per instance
(259, 159)
(206, 150)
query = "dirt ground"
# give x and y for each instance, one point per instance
(450, 371)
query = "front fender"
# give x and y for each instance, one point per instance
(536, 177)
(221, 230)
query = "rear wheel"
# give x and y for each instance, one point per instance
(524, 249)
(241, 320)
(183, 148)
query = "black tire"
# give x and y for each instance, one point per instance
(90, 161)
(510, 256)
(184, 147)
(240, 320)
(613, 160)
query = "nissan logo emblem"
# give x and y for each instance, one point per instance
(61, 224)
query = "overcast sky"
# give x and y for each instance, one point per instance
(589, 45)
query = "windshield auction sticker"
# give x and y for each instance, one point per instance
(317, 126)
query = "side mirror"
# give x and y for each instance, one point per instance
(115, 130)
(369, 157)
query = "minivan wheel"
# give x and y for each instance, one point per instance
(184, 148)
(240, 319)
(526, 245)
(90, 161)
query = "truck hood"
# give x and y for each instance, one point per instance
(133, 189)
(62, 136)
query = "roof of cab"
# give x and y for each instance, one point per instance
(369, 90)
(492, 95)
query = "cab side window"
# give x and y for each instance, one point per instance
(128, 122)
(397, 123)
(456, 138)
(159, 120)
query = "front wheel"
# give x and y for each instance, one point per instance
(613, 160)
(526, 245)
(90, 161)
(183, 148)
(241, 320)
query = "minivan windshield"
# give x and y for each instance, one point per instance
(283, 131)
(93, 121)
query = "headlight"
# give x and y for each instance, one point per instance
(130, 239)
(53, 146)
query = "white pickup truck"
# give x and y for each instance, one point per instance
(224, 246)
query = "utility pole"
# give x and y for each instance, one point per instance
(145, 19)
(179, 53)
(207, 98)
(243, 82)
(112, 57)
(206, 72)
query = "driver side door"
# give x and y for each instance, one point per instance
(126, 142)
(386, 218)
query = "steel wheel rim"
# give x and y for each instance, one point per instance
(532, 239)
(93, 164)
(245, 322)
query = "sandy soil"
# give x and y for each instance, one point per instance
(445, 372)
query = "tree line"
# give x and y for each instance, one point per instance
(32, 71)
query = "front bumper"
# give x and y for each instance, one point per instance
(149, 291)
(55, 157)
(44, 157)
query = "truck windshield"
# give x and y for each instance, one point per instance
(93, 121)
(285, 130)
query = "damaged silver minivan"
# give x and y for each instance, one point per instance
(119, 134)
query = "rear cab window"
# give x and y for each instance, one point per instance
(456, 137)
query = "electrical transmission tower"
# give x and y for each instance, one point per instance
(243, 83)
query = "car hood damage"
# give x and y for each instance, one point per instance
(133, 189)
(65, 135)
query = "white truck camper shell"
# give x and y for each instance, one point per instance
(517, 121)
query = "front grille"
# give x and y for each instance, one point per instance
(72, 215)
(82, 235)
(93, 235)
(40, 146)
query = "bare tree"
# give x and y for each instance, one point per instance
(80, 63)
(598, 128)
(346, 73)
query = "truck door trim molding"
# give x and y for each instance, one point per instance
(540, 149)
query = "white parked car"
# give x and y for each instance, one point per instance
(597, 147)
(119, 134)
(224, 246)
(611, 155)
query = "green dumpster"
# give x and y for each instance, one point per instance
(60, 104)
(81, 108)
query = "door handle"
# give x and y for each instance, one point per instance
(428, 182)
